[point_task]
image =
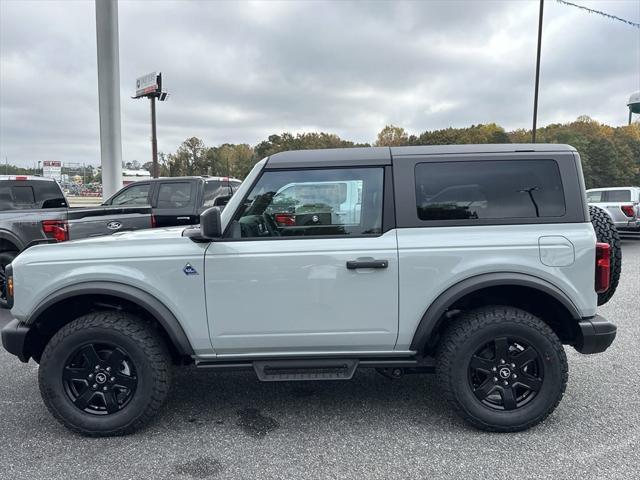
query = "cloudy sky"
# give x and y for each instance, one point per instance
(238, 72)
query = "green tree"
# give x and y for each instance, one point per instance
(392, 136)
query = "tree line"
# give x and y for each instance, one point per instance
(610, 155)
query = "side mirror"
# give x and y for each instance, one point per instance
(210, 223)
(222, 201)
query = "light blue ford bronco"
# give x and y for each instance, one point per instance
(476, 262)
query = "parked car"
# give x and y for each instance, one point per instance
(317, 203)
(177, 200)
(621, 203)
(34, 209)
(485, 293)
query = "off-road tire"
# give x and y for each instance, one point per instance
(5, 259)
(607, 232)
(474, 328)
(147, 351)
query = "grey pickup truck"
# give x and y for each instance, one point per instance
(34, 210)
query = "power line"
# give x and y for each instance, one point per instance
(598, 12)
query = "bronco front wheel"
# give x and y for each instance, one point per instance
(106, 373)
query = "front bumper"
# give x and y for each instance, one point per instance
(14, 339)
(595, 335)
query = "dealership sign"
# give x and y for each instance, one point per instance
(148, 84)
(52, 169)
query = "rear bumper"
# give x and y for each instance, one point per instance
(14, 339)
(596, 335)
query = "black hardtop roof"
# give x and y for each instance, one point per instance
(382, 155)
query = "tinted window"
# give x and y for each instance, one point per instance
(49, 195)
(617, 196)
(594, 197)
(174, 195)
(489, 190)
(135, 195)
(16, 195)
(313, 202)
(23, 195)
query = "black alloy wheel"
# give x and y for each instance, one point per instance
(99, 379)
(105, 373)
(501, 368)
(506, 373)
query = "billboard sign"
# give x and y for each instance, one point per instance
(52, 169)
(147, 84)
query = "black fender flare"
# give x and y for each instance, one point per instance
(454, 293)
(146, 301)
(11, 237)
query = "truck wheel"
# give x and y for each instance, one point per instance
(607, 232)
(5, 259)
(105, 373)
(501, 368)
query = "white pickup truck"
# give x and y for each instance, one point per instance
(622, 204)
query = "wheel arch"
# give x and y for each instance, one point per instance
(515, 289)
(9, 242)
(75, 300)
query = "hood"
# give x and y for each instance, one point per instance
(147, 234)
(136, 244)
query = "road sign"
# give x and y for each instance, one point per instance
(52, 169)
(148, 84)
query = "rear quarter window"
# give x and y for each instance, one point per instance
(492, 189)
(617, 196)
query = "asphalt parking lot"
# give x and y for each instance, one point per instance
(229, 425)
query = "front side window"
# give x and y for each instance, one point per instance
(345, 201)
(214, 189)
(489, 190)
(136, 195)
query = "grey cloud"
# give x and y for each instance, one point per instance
(240, 71)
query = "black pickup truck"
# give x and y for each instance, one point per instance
(34, 210)
(176, 200)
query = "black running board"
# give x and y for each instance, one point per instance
(312, 369)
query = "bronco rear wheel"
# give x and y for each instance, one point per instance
(501, 368)
(106, 373)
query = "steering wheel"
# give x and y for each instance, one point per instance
(271, 225)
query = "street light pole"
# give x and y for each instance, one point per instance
(535, 94)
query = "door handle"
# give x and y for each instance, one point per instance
(369, 263)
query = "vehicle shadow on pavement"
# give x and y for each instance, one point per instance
(217, 398)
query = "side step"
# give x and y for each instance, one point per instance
(292, 370)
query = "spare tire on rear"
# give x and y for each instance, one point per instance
(607, 232)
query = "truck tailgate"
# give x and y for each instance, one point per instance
(105, 220)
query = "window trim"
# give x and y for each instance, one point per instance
(407, 213)
(388, 206)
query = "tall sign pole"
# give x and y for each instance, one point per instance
(109, 95)
(150, 86)
(535, 94)
(155, 170)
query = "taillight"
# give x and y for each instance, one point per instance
(285, 219)
(627, 210)
(57, 229)
(21, 177)
(154, 223)
(603, 267)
